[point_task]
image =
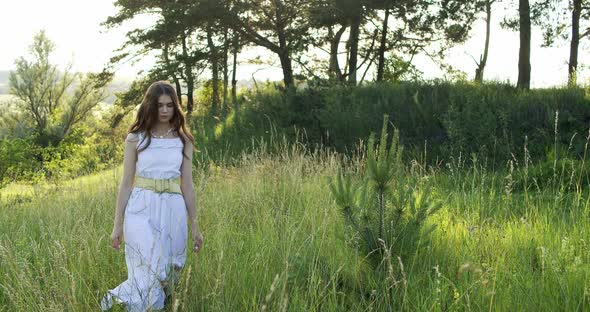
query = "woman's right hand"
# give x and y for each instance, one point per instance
(116, 237)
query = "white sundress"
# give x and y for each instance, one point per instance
(155, 230)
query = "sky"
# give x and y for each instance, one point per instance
(74, 27)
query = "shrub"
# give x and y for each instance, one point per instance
(398, 223)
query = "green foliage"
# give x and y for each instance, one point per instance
(439, 120)
(344, 192)
(81, 152)
(13, 122)
(404, 204)
(76, 155)
(384, 165)
(397, 69)
(252, 125)
(55, 102)
(563, 174)
(18, 160)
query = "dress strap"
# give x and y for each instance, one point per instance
(141, 138)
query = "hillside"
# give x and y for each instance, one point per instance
(119, 84)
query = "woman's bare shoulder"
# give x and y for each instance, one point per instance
(132, 137)
(184, 136)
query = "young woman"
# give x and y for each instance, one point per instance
(155, 198)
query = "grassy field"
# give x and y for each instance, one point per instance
(274, 240)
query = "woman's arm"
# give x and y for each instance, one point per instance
(188, 192)
(129, 159)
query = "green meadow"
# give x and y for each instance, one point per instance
(275, 240)
(479, 201)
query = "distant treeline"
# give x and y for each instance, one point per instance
(195, 39)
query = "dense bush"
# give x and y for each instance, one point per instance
(18, 160)
(79, 154)
(82, 152)
(436, 120)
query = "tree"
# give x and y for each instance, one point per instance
(279, 26)
(382, 45)
(400, 226)
(354, 12)
(43, 92)
(214, 60)
(225, 66)
(171, 35)
(427, 27)
(236, 45)
(212, 16)
(323, 15)
(522, 24)
(407, 28)
(342, 15)
(486, 6)
(552, 16)
(205, 16)
(524, 53)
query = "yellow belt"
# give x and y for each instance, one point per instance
(171, 185)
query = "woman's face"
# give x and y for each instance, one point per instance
(165, 108)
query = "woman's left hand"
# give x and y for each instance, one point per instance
(197, 238)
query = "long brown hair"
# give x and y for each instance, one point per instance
(147, 115)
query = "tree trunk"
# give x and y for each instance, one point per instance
(524, 55)
(574, 44)
(171, 73)
(354, 44)
(334, 68)
(214, 72)
(188, 72)
(484, 59)
(225, 70)
(234, 82)
(287, 69)
(381, 65)
(178, 89)
(284, 54)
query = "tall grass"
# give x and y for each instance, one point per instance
(274, 240)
